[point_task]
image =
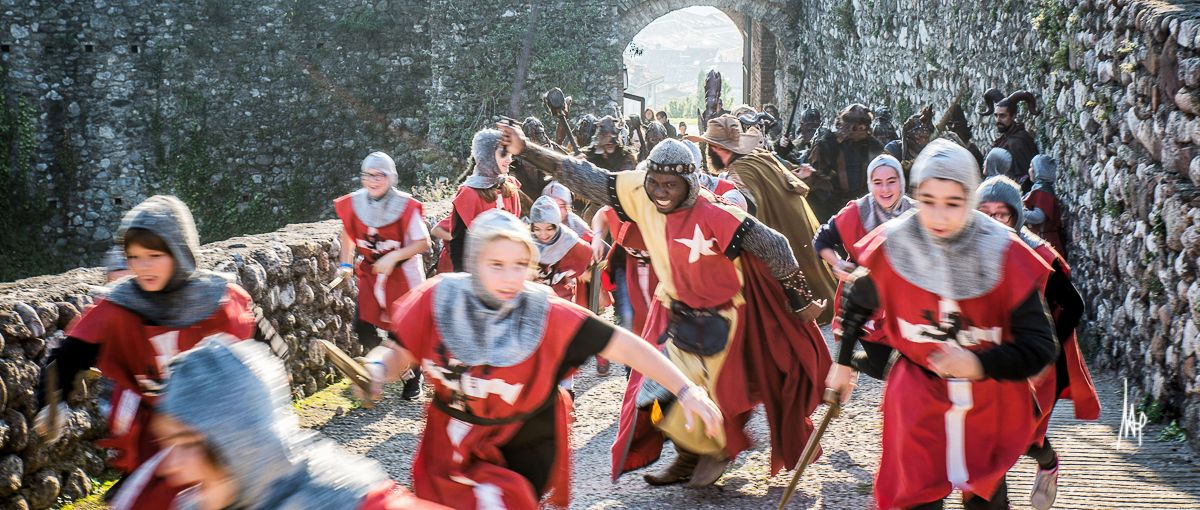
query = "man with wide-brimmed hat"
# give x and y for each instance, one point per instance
(731, 309)
(772, 194)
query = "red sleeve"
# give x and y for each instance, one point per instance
(445, 223)
(239, 320)
(345, 212)
(577, 259)
(467, 204)
(391, 496)
(95, 325)
(412, 317)
(1025, 271)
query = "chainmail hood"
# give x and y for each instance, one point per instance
(236, 395)
(674, 157)
(478, 328)
(191, 295)
(486, 174)
(1006, 191)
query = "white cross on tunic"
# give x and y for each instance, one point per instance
(698, 244)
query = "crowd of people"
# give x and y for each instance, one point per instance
(722, 252)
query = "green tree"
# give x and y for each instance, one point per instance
(685, 108)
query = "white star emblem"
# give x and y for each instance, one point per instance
(698, 244)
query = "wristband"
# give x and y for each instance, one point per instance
(377, 362)
(346, 265)
(683, 392)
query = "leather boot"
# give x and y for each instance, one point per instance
(678, 472)
(708, 470)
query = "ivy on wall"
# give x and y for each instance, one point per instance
(1050, 21)
(26, 209)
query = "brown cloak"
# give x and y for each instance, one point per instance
(1018, 142)
(780, 203)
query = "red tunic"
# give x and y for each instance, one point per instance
(1051, 229)
(850, 228)
(459, 464)
(466, 206)
(640, 278)
(1079, 387)
(376, 294)
(133, 354)
(563, 275)
(940, 434)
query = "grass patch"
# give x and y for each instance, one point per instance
(1051, 21)
(1173, 433)
(334, 396)
(1153, 409)
(95, 500)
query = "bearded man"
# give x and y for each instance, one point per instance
(771, 193)
(1013, 136)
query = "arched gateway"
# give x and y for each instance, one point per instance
(765, 28)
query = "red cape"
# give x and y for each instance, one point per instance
(787, 364)
(1079, 387)
(775, 359)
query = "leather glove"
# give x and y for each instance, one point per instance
(800, 299)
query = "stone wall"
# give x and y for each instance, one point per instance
(1123, 122)
(261, 112)
(286, 273)
(255, 114)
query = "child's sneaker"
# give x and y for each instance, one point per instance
(1045, 488)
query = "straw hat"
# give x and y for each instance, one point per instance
(726, 132)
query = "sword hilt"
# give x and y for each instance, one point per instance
(833, 397)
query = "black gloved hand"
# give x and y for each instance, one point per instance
(800, 298)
